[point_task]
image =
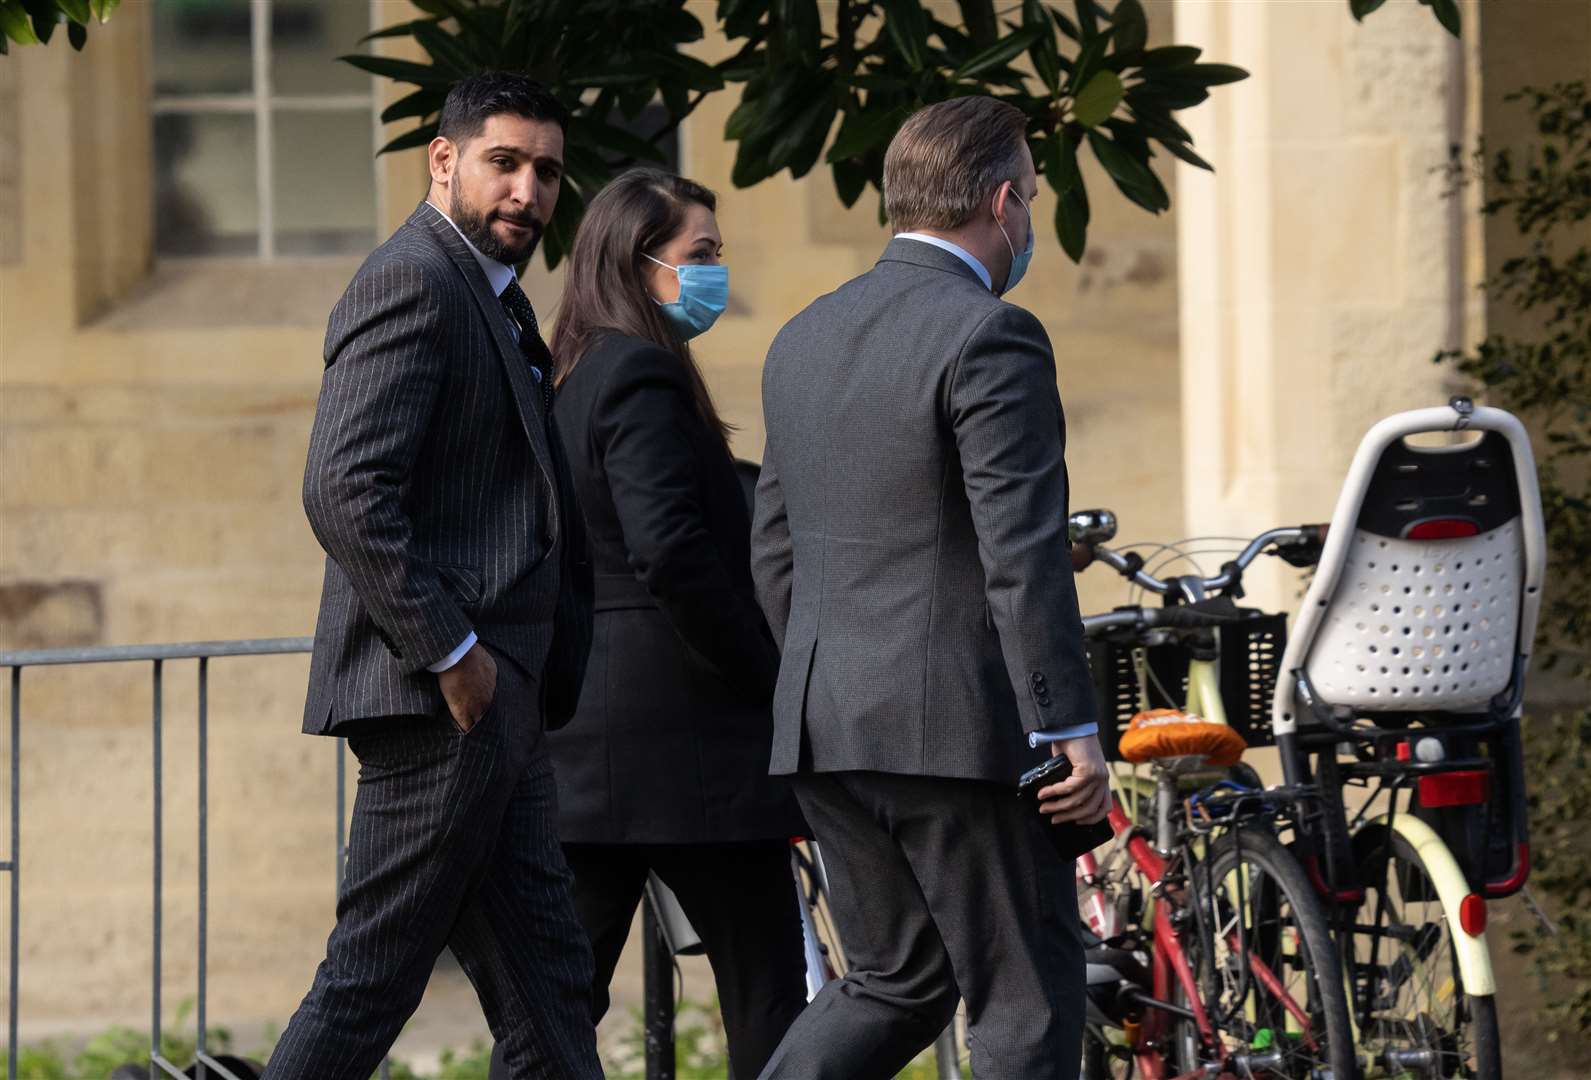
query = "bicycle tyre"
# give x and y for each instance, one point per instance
(1471, 1027)
(1296, 904)
(1098, 1062)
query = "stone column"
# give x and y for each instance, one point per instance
(1322, 265)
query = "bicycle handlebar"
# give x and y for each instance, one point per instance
(1178, 617)
(1299, 545)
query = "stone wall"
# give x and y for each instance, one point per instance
(153, 425)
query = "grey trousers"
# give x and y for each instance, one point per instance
(941, 890)
(453, 843)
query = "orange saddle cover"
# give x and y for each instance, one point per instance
(1168, 733)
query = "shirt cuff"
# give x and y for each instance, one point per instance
(455, 656)
(1076, 731)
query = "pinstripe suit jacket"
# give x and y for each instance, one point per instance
(433, 487)
(909, 542)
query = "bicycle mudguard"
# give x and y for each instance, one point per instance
(1473, 954)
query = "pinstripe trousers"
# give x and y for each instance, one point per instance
(453, 843)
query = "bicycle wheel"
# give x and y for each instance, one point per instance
(1267, 969)
(1099, 1062)
(1415, 1016)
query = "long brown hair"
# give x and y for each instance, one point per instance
(605, 290)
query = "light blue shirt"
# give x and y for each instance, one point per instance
(955, 249)
(1074, 731)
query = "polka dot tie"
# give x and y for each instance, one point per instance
(517, 304)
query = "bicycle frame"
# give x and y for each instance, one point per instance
(1169, 964)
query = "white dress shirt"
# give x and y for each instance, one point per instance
(955, 249)
(498, 276)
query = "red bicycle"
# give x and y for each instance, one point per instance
(1210, 955)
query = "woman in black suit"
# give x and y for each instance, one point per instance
(665, 765)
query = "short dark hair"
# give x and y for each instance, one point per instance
(947, 159)
(475, 98)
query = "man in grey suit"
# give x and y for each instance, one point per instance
(910, 551)
(455, 617)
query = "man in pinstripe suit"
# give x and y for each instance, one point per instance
(455, 617)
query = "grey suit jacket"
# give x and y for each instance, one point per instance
(909, 543)
(430, 483)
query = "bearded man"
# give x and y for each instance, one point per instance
(456, 614)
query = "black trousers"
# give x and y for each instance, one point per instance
(740, 898)
(941, 889)
(453, 843)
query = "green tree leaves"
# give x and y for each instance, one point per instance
(1084, 79)
(606, 60)
(33, 22)
(831, 81)
(1446, 12)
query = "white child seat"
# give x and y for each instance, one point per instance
(1429, 584)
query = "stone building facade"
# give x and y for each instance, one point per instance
(1218, 366)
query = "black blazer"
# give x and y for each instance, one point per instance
(433, 485)
(670, 743)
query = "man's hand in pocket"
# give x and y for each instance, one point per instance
(469, 686)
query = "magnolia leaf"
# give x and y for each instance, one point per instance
(102, 9)
(1185, 152)
(399, 70)
(1361, 8)
(422, 102)
(864, 130)
(1170, 56)
(1134, 177)
(1000, 53)
(1089, 60)
(850, 180)
(907, 26)
(1071, 226)
(16, 25)
(405, 29)
(1096, 101)
(1447, 14)
(448, 52)
(1131, 26)
(420, 136)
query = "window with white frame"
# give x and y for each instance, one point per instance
(264, 143)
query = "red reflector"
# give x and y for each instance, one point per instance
(1443, 529)
(1464, 788)
(1404, 753)
(1472, 915)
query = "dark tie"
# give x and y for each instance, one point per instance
(517, 304)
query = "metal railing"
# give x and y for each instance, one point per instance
(658, 957)
(157, 656)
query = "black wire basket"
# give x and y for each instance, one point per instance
(1251, 658)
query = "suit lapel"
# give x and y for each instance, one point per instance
(527, 395)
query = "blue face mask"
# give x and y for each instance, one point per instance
(703, 295)
(1019, 259)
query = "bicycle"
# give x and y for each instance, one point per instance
(1404, 679)
(1211, 954)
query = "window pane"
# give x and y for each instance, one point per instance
(325, 182)
(307, 36)
(202, 47)
(205, 194)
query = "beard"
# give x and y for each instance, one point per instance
(476, 225)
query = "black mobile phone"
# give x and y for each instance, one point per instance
(1069, 840)
(1050, 772)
